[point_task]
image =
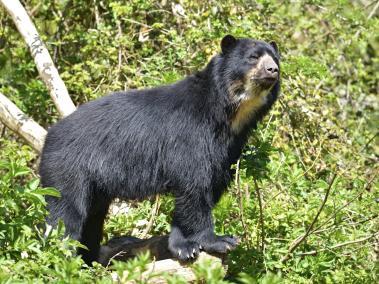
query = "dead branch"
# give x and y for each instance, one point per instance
(300, 239)
(41, 56)
(17, 121)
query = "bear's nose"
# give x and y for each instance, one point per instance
(272, 68)
(269, 68)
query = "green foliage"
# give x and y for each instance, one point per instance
(209, 272)
(27, 253)
(324, 123)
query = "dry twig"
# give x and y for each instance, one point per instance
(154, 213)
(314, 252)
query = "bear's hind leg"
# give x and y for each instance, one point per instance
(64, 209)
(92, 232)
(82, 210)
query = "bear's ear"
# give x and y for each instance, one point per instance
(275, 46)
(227, 43)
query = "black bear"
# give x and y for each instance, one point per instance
(180, 139)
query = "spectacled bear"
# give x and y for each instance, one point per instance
(180, 139)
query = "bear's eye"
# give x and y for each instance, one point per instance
(253, 57)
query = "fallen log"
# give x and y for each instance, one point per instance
(125, 248)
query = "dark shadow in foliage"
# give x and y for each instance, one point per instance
(253, 260)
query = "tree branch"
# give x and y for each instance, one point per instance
(17, 121)
(41, 56)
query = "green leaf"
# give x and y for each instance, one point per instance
(34, 184)
(48, 191)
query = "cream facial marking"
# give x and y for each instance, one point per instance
(260, 68)
(253, 97)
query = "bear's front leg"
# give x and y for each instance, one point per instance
(192, 229)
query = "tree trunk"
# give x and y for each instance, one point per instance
(41, 56)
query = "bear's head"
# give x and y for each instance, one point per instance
(251, 72)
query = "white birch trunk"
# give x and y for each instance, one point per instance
(17, 121)
(45, 65)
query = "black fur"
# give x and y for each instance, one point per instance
(171, 139)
